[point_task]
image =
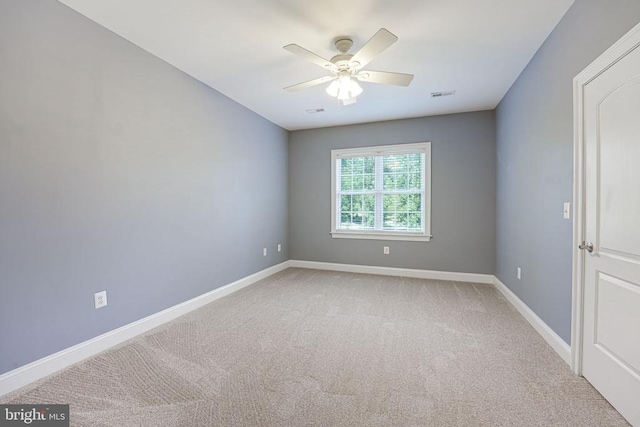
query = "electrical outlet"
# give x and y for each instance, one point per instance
(385, 250)
(264, 252)
(519, 273)
(279, 247)
(100, 299)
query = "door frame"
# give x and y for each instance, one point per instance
(619, 50)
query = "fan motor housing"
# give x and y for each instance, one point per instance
(342, 60)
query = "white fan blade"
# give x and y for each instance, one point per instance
(385, 78)
(310, 56)
(374, 47)
(310, 83)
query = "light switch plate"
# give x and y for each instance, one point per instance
(566, 213)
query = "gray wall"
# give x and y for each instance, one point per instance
(119, 173)
(463, 214)
(535, 149)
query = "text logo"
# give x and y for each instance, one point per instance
(34, 415)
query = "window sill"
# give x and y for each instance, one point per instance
(380, 236)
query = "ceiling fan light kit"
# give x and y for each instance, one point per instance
(346, 68)
(344, 88)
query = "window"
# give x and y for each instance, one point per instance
(381, 192)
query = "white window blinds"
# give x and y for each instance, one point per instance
(381, 191)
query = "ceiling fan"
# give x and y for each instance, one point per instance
(346, 68)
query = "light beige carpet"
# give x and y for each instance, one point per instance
(316, 348)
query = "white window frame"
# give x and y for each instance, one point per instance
(384, 150)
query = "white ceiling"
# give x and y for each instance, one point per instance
(475, 47)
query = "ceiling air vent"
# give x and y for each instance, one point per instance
(315, 110)
(443, 93)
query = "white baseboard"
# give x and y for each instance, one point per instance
(46, 366)
(392, 271)
(558, 344)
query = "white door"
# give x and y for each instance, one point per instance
(611, 328)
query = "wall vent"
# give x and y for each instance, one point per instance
(442, 93)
